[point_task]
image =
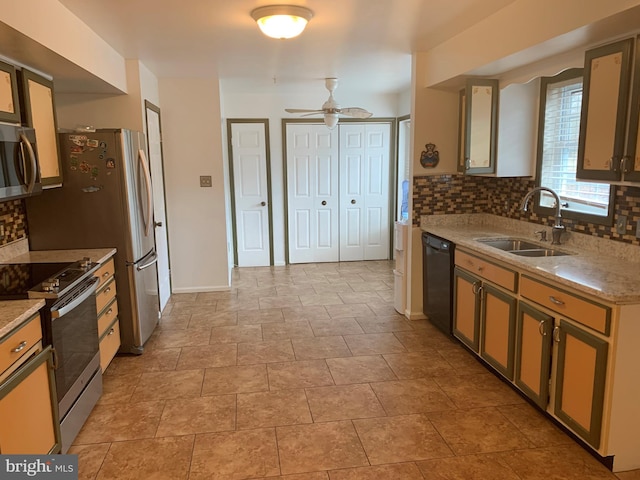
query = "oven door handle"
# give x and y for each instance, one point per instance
(89, 290)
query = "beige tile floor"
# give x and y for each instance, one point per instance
(307, 373)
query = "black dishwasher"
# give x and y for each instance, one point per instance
(437, 280)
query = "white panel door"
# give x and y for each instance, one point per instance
(312, 193)
(251, 194)
(154, 139)
(364, 191)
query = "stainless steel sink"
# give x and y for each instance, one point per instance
(521, 247)
(509, 244)
(539, 252)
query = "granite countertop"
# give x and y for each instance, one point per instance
(98, 255)
(595, 266)
(15, 312)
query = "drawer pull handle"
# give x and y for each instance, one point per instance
(111, 332)
(555, 301)
(556, 334)
(541, 328)
(475, 288)
(107, 290)
(20, 347)
(105, 274)
(110, 311)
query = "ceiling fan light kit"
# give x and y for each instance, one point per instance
(331, 109)
(282, 21)
(331, 120)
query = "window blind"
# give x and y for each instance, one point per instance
(560, 151)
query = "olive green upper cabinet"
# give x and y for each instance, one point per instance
(631, 167)
(38, 111)
(9, 108)
(478, 126)
(606, 150)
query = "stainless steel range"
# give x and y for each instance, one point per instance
(69, 324)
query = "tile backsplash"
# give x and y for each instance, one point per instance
(13, 221)
(443, 194)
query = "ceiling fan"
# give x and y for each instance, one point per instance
(331, 109)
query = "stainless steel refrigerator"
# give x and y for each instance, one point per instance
(106, 200)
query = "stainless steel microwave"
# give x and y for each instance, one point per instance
(19, 167)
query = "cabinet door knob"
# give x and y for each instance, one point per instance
(623, 164)
(613, 164)
(20, 347)
(475, 288)
(556, 334)
(353, 201)
(264, 204)
(105, 274)
(555, 300)
(541, 328)
(112, 331)
(324, 202)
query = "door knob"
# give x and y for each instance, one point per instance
(157, 224)
(324, 202)
(264, 204)
(353, 201)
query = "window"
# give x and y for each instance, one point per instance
(558, 133)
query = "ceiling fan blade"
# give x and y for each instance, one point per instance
(355, 112)
(301, 110)
(318, 112)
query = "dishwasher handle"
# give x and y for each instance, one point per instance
(437, 244)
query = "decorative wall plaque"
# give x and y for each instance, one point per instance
(430, 157)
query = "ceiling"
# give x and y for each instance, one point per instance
(367, 43)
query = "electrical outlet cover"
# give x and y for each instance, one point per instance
(205, 181)
(621, 225)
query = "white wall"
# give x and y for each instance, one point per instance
(526, 31)
(51, 25)
(111, 111)
(404, 103)
(434, 119)
(271, 106)
(192, 146)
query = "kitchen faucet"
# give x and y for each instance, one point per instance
(558, 228)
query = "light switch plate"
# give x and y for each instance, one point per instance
(205, 180)
(621, 225)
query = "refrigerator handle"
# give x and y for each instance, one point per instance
(32, 158)
(154, 259)
(147, 178)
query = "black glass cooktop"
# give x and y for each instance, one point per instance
(16, 279)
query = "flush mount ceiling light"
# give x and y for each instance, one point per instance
(282, 21)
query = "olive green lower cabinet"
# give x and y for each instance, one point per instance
(574, 355)
(484, 314)
(533, 347)
(29, 409)
(466, 308)
(574, 390)
(498, 327)
(580, 380)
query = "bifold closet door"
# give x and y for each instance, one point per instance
(364, 191)
(312, 193)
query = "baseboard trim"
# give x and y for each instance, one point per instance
(414, 315)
